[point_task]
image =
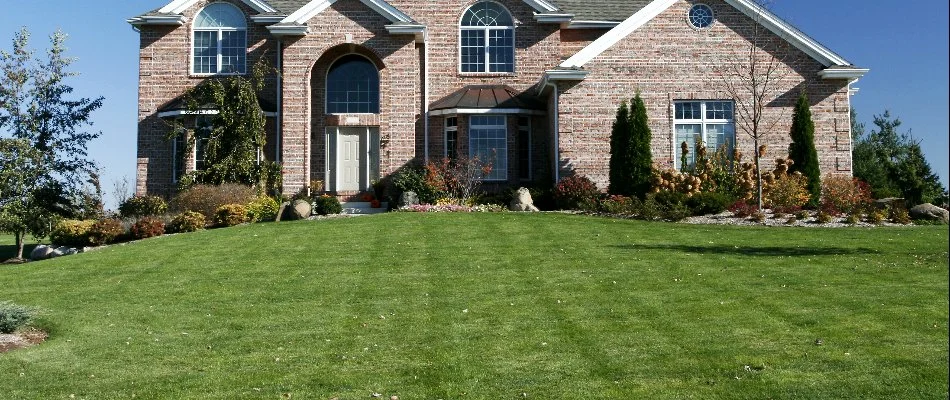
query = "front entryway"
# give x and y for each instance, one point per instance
(352, 158)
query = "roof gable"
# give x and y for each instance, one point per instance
(311, 9)
(763, 16)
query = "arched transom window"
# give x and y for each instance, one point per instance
(353, 86)
(487, 39)
(220, 40)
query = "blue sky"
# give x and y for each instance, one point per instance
(905, 46)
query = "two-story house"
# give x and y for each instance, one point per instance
(529, 86)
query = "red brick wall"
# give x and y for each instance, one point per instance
(669, 60)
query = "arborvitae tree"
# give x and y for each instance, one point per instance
(640, 157)
(802, 149)
(619, 153)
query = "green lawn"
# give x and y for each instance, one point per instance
(490, 306)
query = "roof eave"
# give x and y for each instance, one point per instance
(553, 18)
(575, 24)
(267, 19)
(417, 30)
(851, 74)
(289, 30)
(173, 19)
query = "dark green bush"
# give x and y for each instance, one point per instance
(620, 205)
(147, 227)
(413, 178)
(206, 199)
(105, 231)
(72, 233)
(263, 208)
(574, 191)
(650, 209)
(142, 206)
(14, 316)
(230, 215)
(708, 203)
(327, 205)
(188, 221)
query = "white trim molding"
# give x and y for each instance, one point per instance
(518, 111)
(171, 19)
(541, 6)
(311, 9)
(553, 18)
(591, 25)
(288, 30)
(419, 31)
(758, 13)
(842, 73)
(179, 6)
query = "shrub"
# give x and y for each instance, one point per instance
(206, 199)
(147, 227)
(791, 220)
(263, 208)
(326, 205)
(742, 209)
(142, 206)
(708, 203)
(844, 194)
(573, 191)
(823, 217)
(757, 216)
(458, 178)
(852, 219)
(188, 221)
(899, 215)
(105, 231)
(230, 215)
(413, 178)
(620, 205)
(14, 316)
(675, 212)
(650, 209)
(876, 216)
(787, 193)
(802, 214)
(71, 232)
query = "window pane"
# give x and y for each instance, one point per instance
(691, 134)
(353, 86)
(719, 110)
(524, 148)
(180, 146)
(488, 141)
(688, 110)
(220, 15)
(203, 130)
(501, 47)
(206, 52)
(720, 135)
(473, 50)
(233, 51)
(487, 14)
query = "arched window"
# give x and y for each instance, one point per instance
(487, 39)
(353, 86)
(220, 40)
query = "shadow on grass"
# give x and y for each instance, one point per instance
(9, 251)
(753, 251)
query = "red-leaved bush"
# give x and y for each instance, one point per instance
(842, 194)
(147, 227)
(574, 191)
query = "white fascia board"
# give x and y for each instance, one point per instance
(289, 30)
(565, 75)
(315, 7)
(788, 32)
(591, 25)
(179, 6)
(842, 73)
(553, 18)
(541, 6)
(157, 20)
(519, 111)
(267, 19)
(616, 34)
(419, 31)
(179, 113)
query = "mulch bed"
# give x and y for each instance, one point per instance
(22, 339)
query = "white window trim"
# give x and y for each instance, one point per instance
(702, 123)
(445, 135)
(219, 54)
(712, 16)
(503, 126)
(486, 29)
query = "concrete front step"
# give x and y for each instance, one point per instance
(363, 207)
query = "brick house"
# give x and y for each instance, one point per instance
(367, 86)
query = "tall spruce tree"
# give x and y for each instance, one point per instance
(640, 158)
(802, 149)
(620, 153)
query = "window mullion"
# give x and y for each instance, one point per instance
(487, 52)
(220, 56)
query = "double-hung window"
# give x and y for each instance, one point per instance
(488, 142)
(220, 40)
(487, 39)
(710, 123)
(451, 138)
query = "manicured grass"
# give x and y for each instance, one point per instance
(490, 306)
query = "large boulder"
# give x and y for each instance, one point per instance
(929, 212)
(41, 252)
(408, 198)
(522, 201)
(302, 209)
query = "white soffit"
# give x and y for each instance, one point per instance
(748, 7)
(179, 6)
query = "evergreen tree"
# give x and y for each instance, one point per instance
(640, 157)
(802, 149)
(620, 153)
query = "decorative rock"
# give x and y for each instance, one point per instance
(929, 212)
(67, 251)
(282, 212)
(409, 198)
(57, 252)
(41, 252)
(301, 209)
(522, 201)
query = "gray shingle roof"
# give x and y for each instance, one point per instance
(601, 10)
(287, 7)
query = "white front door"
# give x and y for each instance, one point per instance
(348, 159)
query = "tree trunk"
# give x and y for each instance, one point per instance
(758, 174)
(19, 244)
